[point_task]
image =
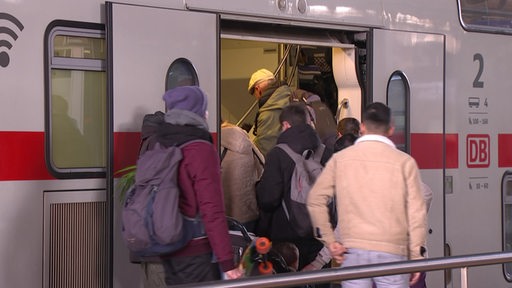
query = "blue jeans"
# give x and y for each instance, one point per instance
(357, 257)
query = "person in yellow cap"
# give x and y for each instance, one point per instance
(272, 96)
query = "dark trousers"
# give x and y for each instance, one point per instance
(190, 269)
(308, 250)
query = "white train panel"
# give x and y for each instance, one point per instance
(353, 12)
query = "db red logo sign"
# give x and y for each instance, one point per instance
(477, 150)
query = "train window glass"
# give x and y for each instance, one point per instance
(398, 99)
(486, 15)
(76, 97)
(507, 220)
(79, 47)
(181, 73)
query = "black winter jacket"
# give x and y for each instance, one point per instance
(276, 181)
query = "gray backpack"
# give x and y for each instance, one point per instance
(307, 169)
(152, 223)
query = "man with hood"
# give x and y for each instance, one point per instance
(272, 96)
(201, 190)
(275, 183)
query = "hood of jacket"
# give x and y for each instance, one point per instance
(235, 139)
(150, 124)
(300, 138)
(171, 134)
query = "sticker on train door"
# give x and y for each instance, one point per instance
(477, 150)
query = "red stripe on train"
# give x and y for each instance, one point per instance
(22, 154)
(427, 150)
(126, 147)
(504, 150)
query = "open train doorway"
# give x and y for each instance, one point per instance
(328, 63)
(348, 69)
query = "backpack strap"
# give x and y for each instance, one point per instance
(257, 157)
(223, 154)
(296, 157)
(194, 141)
(317, 155)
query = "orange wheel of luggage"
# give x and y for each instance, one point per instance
(263, 245)
(265, 268)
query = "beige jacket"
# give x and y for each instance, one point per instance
(379, 199)
(241, 168)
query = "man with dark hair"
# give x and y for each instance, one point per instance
(348, 132)
(275, 183)
(293, 115)
(381, 210)
(348, 125)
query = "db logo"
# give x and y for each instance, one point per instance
(477, 150)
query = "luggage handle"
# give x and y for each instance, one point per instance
(233, 223)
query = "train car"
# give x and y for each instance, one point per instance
(76, 78)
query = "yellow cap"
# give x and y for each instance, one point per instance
(258, 76)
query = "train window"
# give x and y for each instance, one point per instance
(90, 48)
(398, 101)
(181, 73)
(486, 15)
(507, 220)
(75, 100)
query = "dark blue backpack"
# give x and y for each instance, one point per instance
(152, 222)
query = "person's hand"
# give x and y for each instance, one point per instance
(415, 277)
(337, 250)
(234, 274)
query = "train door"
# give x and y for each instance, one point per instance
(151, 50)
(408, 74)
